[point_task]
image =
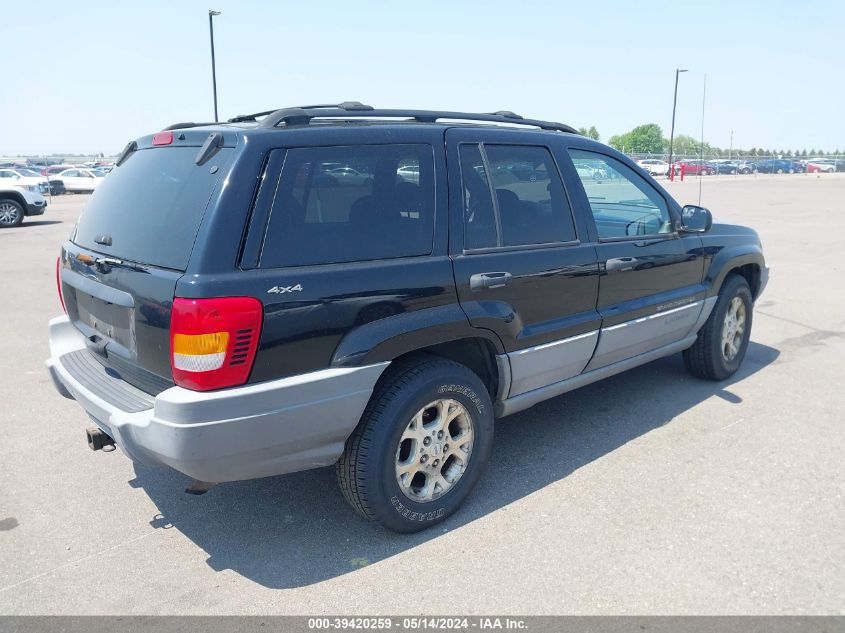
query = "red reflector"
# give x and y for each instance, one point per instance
(231, 323)
(163, 138)
(59, 282)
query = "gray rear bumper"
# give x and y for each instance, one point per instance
(258, 430)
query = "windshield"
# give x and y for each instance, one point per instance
(151, 206)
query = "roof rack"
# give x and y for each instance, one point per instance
(346, 105)
(186, 125)
(302, 115)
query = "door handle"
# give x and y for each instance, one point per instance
(488, 281)
(618, 264)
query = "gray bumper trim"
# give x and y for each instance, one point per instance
(258, 430)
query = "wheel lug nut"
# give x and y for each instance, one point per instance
(445, 447)
(435, 462)
(440, 435)
(427, 441)
(423, 459)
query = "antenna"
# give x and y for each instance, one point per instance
(701, 147)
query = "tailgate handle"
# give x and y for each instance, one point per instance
(95, 289)
(485, 281)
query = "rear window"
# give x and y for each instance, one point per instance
(351, 203)
(152, 206)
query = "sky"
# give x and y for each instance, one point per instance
(88, 76)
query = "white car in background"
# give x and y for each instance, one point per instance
(22, 177)
(409, 173)
(77, 180)
(654, 166)
(19, 201)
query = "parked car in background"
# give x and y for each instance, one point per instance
(724, 166)
(348, 176)
(590, 172)
(694, 168)
(409, 173)
(77, 180)
(16, 202)
(55, 169)
(775, 166)
(23, 177)
(820, 165)
(654, 166)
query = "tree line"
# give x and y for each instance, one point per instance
(649, 139)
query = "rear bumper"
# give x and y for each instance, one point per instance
(259, 430)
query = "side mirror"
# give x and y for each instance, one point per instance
(695, 219)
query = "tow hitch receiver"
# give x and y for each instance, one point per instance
(98, 440)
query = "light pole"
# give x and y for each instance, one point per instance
(211, 15)
(678, 71)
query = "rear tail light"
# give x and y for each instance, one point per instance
(213, 341)
(59, 282)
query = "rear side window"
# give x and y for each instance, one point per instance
(351, 203)
(520, 202)
(151, 206)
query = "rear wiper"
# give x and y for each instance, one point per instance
(105, 263)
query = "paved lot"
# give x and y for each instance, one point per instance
(651, 492)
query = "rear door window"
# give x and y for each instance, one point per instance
(351, 203)
(151, 206)
(530, 206)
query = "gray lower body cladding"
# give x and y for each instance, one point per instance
(618, 349)
(258, 430)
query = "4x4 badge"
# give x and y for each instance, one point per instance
(280, 290)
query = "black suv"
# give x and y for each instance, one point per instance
(371, 288)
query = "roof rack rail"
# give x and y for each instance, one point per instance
(303, 115)
(186, 125)
(346, 105)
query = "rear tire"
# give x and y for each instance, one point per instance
(11, 213)
(722, 342)
(420, 447)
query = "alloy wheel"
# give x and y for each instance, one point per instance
(8, 213)
(434, 450)
(733, 329)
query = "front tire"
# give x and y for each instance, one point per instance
(722, 342)
(420, 447)
(11, 213)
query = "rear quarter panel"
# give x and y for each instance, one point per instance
(344, 314)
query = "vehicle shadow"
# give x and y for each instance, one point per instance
(27, 223)
(295, 530)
